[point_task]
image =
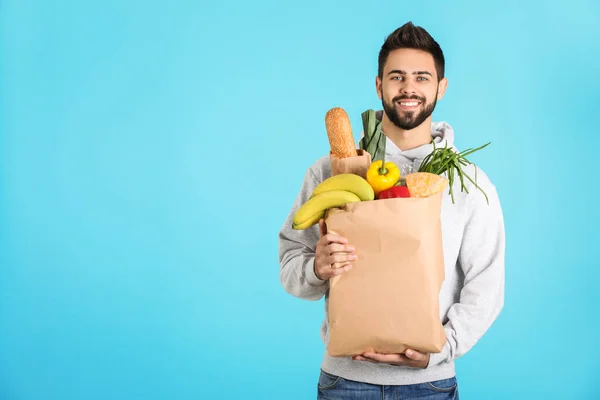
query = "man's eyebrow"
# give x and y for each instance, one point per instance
(399, 71)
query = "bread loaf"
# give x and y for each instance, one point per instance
(339, 132)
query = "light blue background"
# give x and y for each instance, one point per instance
(150, 152)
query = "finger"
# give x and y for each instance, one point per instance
(322, 227)
(341, 270)
(341, 258)
(414, 355)
(340, 248)
(340, 264)
(361, 358)
(332, 238)
(385, 358)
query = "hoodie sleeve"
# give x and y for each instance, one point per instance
(297, 251)
(481, 258)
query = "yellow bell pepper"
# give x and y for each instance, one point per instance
(382, 178)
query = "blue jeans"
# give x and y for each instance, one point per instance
(331, 387)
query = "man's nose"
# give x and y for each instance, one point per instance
(408, 88)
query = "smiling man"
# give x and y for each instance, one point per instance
(409, 82)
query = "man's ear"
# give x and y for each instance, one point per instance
(442, 85)
(378, 87)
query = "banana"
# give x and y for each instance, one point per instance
(350, 182)
(314, 209)
(309, 222)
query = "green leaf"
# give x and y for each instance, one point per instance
(373, 140)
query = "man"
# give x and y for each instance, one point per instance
(410, 81)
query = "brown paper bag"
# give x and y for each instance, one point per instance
(389, 301)
(351, 165)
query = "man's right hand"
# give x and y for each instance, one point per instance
(333, 255)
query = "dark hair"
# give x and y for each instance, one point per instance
(409, 36)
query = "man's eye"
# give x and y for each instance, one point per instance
(421, 78)
(394, 78)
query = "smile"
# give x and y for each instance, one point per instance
(409, 105)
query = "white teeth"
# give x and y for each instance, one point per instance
(409, 104)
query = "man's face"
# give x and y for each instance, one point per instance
(409, 87)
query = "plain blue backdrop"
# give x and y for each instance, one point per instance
(151, 150)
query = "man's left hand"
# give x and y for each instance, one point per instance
(410, 358)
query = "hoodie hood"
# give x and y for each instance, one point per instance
(441, 132)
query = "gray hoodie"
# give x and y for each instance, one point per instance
(472, 294)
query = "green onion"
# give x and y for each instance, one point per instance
(445, 160)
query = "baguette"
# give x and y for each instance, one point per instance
(339, 132)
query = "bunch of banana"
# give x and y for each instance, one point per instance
(332, 192)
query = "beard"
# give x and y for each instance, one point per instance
(410, 119)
